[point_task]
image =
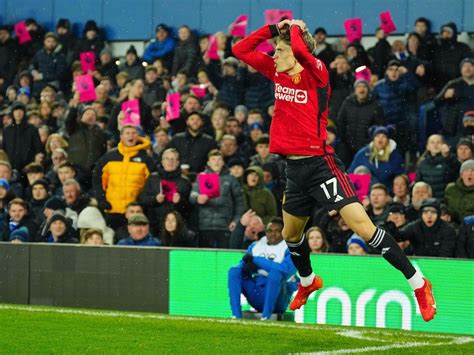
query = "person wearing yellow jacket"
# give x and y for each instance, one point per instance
(121, 174)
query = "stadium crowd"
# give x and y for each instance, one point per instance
(73, 171)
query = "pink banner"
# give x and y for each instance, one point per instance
(265, 47)
(386, 22)
(363, 73)
(274, 16)
(199, 90)
(412, 177)
(22, 32)
(172, 106)
(85, 87)
(212, 49)
(239, 27)
(209, 185)
(168, 188)
(353, 27)
(87, 62)
(361, 183)
(131, 112)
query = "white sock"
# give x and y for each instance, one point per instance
(307, 280)
(416, 281)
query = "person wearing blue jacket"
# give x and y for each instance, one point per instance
(265, 275)
(381, 157)
(139, 231)
(162, 47)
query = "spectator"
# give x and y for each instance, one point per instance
(133, 208)
(275, 182)
(58, 157)
(323, 49)
(357, 114)
(236, 169)
(39, 196)
(427, 40)
(394, 94)
(230, 149)
(230, 86)
(139, 230)
(317, 240)
(257, 197)
(135, 92)
(464, 150)
(448, 54)
(248, 230)
(107, 67)
(458, 97)
(66, 171)
(66, 39)
(20, 139)
(87, 141)
(356, 246)
(161, 47)
(340, 147)
(420, 192)
(437, 166)
(91, 41)
(342, 81)
(218, 216)
(90, 218)
(75, 199)
(132, 65)
(154, 90)
(185, 52)
(92, 237)
(54, 141)
(380, 156)
(48, 66)
(8, 57)
(18, 216)
(60, 230)
(20, 235)
(459, 196)
(338, 234)
(379, 200)
(465, 242)
(174, 232)
(193, 145)
(357, 55)
(382, 51)
(121, 174)
(263, 155)
(33, 172)
(264, 276)
(218, 120)
(234, 128)
(11, 176)
(156, 197)
(430, 236)
(257, 88)
(401, 190)
(395, 220)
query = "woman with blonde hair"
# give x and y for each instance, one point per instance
(54, 142)
(317, 240)
(380, 156)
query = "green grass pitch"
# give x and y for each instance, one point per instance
(25, 329)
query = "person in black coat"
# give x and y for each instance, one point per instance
(193, 145)
(258, 90)
(67, 40)
(106, 67)
(21, 140)
(430, 236)
(323, 50)
(358, 113)
(18, 216)
(381, 53)
(427, 40)
(174, 232)
(91, 41)
(230, 85)
(448, 54)
(342, 81)
(185, 53)
(157, 196)
(60, 230)
(8, 57)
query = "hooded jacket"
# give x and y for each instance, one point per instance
(185, 56)
(460, 200)
(259, 198)
(91, 218)
(219, 212)
(121, 174)
(438, 240)
(355, 118)
(447, 56)
(437, 171)
(21, 142)
(382, 171)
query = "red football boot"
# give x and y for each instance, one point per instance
(304, 292)
(426, 301)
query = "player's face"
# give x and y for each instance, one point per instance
(283, 58)
(273, 233)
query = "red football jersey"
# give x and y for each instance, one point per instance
(301, 101)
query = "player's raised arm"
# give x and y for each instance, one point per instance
(245, 50)
(303, 45)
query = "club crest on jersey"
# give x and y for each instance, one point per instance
(290, 95)
(296, 79)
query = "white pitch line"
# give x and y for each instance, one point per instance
(339, 330)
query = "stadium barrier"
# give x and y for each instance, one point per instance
(360, 291)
